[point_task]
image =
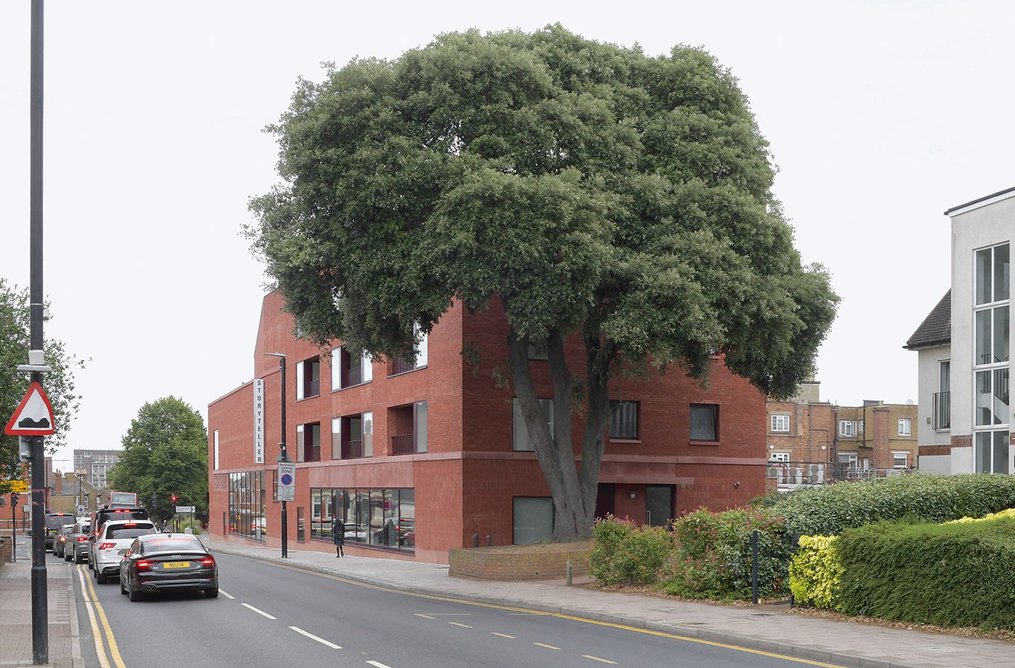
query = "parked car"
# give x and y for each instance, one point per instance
(168, 562)
(60, 539)
(77, 542)
(113, 542)
(54, 521)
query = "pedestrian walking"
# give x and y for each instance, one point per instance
(338, 535)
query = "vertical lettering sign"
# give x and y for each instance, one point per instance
(259, 420)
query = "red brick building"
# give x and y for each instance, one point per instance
(421, 458)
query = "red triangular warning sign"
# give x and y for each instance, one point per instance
(33, 416)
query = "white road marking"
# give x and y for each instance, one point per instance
(260, 612)
(420, 614)
(99, 647)
(596, 658)
(227, 595)
(377, 664)
(464, 626)
(502, 635)
(539, 644)
(313, 637)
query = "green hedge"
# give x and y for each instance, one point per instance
(832, 509)
(713, 555)
(623, 553)
(815, 572)
(956, 574)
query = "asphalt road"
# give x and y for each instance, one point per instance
(271, 615)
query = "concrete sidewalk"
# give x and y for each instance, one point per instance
(767, 628)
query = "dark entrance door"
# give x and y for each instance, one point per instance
(604, 499)
(658, 505)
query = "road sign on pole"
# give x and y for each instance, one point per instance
(286, 481)
(33, 416)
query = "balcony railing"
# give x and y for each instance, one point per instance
(352, 377)
(942, 410)
(403, 444)
(352, 449)
(789, 475)
(403, 364)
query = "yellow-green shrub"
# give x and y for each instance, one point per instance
(815, 573)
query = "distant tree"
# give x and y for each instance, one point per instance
(597, 192)
(165, 452)
(15, 321)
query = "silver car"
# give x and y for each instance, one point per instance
(76, 549)
(112, 544)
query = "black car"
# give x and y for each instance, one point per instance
(168, 562)
(54, 522)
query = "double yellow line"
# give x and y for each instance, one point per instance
(95, 610)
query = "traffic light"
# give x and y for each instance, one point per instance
(173, 499)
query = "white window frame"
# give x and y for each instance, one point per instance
(847, 428)
(905, 426)
(895, 459)
(779, 457)
(780, 422)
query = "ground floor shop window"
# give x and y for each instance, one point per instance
(383, 518)
(533, 520)
(246, 504)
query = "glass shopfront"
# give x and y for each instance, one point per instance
(384, 518)
(246, 504)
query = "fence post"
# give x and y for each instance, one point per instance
(754, 567)
(794, 544)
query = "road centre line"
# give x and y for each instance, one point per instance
(313, 637)
(377, 664)
(420, 614)
(227, 595)
(260, 612)
(464, 626)
(596, 658)
(539, 644)
(501, 635)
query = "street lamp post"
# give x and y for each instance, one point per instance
(283, 456)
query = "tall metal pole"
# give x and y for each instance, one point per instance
(40, 601)
(283, 456)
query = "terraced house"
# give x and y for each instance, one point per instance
(424, 455)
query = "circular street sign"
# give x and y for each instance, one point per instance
(286, 479)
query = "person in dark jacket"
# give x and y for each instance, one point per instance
(338, 535)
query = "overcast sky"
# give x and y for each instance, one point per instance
(880, 116)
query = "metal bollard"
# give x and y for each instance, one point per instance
(489, 540)
(570, 572)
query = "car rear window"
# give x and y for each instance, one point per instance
(129, 532)
(57, 520)
(174, 544)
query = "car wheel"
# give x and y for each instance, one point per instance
(99, 577)
(123, 590)
(134, 594)
(77, 558)
(211, 593)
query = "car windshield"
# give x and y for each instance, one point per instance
(129, 532)
(173, 544)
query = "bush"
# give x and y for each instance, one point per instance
(815, 573)
(955, 574)
(625, 554)
(713, 557)
(832, 509)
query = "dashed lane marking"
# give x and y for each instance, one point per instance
(227, 595)
(539, 644)
(313, 637)
(501, 635)
(260, 612)
(464, 626)
(596, 658)
(377, 664)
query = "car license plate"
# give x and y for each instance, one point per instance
(176, 564)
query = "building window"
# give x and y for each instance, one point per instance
(408, 428)
(519, 433)
(991, 397)
(779, 457)
(992, 452)
(847, 428)
(943, 397)
(704, 422)
(348, 369)
(905, 427)
(308, 378)
(780, 423)
(847, 459)
(532, 520)
(308, 438)
(384, 518)
(417, 359)
(624, 419)
(246, 504)
(355, 434)
(900, 460)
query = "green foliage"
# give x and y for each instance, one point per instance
(165, 452)
(625, 554)
(832, 509)
(815, 572)
(713, 558)
(15, 327)
(956, 574)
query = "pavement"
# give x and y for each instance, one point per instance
(765, 628)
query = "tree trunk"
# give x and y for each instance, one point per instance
(573, 489)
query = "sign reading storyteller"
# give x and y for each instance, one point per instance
(259, 420)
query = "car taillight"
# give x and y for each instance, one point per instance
(143, 565)
(106, 546)
(208, 561)
(82, 539)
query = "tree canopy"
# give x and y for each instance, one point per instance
(15, 330)
(595, 190)
(165, 452)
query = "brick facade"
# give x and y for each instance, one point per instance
(466, 482)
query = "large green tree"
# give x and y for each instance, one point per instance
(15, 321)
(598, 192)
(165, 452)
